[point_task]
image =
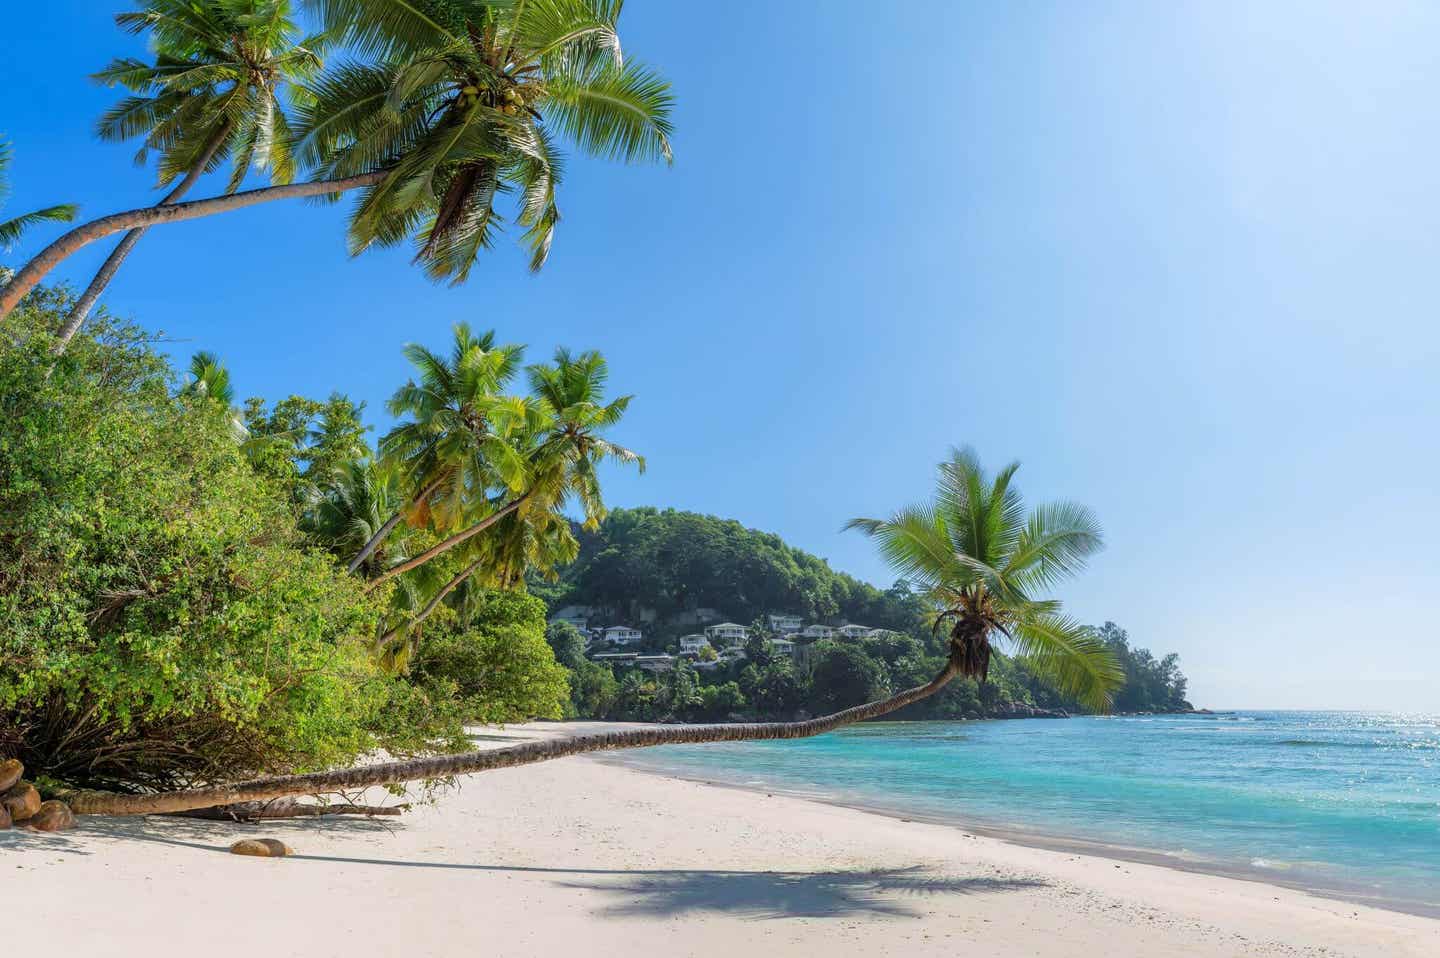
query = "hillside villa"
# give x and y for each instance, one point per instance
(785, 624)
(727, 633)
(621, 635)
(693, 644)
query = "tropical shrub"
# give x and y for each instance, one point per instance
(499, 666)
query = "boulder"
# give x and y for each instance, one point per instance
(4, 818)
(52, 817)
(261, 848)
(21, 801)
(11, 771)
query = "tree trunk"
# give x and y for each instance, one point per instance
(434, 602)
(448, 544)
(526, 753)
(127, 243)
(51, 256)
(284, 808)
(389, 526)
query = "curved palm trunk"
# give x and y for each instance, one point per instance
(51, 256)
(527, 753)
(446, 545)
(389, 526)
(102, 279)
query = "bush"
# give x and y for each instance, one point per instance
(164, 622)
(500, 667)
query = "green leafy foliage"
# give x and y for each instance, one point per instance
(500, 667)
(171, 617)
(460, 102)
(672, 562)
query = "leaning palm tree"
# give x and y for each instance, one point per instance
(561, 426)
(455, 441)
(456, 103)
(11, 230)
(982, 560)
(213, 92)
(346, 508)
(462, 103)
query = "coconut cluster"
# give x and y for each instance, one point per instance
(20, 803)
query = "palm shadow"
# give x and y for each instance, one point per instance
(768, 895)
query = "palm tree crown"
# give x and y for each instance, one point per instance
(460, 101)
(981, 561)
(215, 90)
(572, 389)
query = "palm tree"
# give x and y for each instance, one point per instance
(981, 560)
(212, 92)
(348, 507)
(562, 426)
(461, 104)
(12, 230)
(455, 445)
(461, 100)
(533, 538)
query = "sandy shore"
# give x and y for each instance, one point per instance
(583, 858)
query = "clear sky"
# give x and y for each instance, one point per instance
(1180, 259)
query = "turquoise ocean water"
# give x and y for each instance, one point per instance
(1338, 802)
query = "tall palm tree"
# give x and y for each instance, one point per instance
(455, 445)
(214, 91)
(11, 230)
(982, 560)
(562, 428)
(458, 102)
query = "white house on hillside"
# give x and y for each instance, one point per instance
(728, 633)
(692, 644)
(784, 624)
(817, 631)
(855, 631)
(782, 646)
(622, 635)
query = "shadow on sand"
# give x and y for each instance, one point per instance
(626, 893)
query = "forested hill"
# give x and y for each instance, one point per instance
(666, 562)
(656, 569)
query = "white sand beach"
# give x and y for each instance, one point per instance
(581, 857)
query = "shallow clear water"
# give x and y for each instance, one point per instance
(1339, 801)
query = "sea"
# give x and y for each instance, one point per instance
(1345, 804)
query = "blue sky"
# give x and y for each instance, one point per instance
(1179, 259)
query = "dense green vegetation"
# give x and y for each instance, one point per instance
(666, 563)
(644, 563)
(174, 570)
